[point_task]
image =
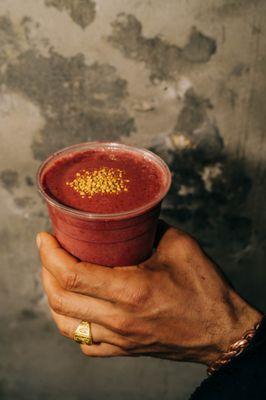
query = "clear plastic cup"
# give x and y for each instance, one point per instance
(124, 238)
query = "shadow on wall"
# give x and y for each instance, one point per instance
(208, 199)
(208, 188)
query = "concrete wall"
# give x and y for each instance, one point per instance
(185, 78)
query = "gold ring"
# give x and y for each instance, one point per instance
(83, 334)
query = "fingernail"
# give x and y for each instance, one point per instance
(38, 240)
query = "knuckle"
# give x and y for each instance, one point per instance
(44, 256)
(70, 280)
(129, 345)
(175, 242)
(119, 341)
(122, 325)
(63, 331)
(140, 295)
(185, 242)
(56, 303)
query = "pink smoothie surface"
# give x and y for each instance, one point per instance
(143, 180)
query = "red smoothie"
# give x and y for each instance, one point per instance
(104, 200)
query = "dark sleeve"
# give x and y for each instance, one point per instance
(244, 378)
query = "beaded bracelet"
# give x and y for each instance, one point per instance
(234, 350)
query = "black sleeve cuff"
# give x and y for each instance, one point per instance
(243, 378)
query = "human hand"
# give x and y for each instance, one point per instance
(176, 305)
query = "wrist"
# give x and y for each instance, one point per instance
(239, 318)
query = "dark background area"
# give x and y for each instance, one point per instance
(185, 79)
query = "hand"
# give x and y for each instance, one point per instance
(176, 305)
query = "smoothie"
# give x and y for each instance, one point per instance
(104, 200)
(103, 181)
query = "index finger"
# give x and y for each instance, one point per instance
(85, 278)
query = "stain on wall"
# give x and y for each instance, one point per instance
(23, 202)
(164, 60)
(197, 126)
(82, 12)
(208, 186)
(9, 179)
(79, 102)
(232, 7)
(8, 38)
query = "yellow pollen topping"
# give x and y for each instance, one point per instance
(99, 181)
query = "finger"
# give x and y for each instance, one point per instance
(103, 350)
(78, 306)
(48, 244)
(86, 278)
(67, 327)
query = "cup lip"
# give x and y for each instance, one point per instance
(103, 144)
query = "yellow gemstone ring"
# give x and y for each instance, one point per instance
(83, 334)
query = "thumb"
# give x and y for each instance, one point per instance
(51, 251)
(44, 239)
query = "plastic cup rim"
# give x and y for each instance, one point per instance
(96, 216)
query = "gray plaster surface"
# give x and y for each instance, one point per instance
(185, 79)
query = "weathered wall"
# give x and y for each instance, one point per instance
(184, 78)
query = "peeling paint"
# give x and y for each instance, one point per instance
(207, 186)
(77, 101)
(209, 174)
(196, 126)
(180, 142)
(8, 39)
(82, 12)
(229, 8)
(24, 201)
(29, 181)
(145, 105)
(19, 37)
(184, 84)
(162, 58)
(185, 190)
(9, 179)
(205, 198)
(240, 69)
